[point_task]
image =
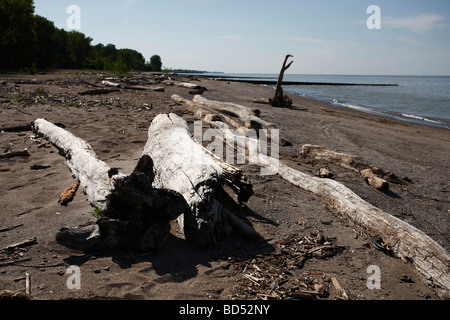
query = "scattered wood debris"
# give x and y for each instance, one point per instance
(274, 276)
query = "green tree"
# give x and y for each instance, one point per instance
(17, 33)
(29, 41)
(155, 63)
(78, 48)
(46, 55)
(132, 59)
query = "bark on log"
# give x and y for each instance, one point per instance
(406, 241)
(184, 166)
(69, 193)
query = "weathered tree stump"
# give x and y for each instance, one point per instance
(280, 100)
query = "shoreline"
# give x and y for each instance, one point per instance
(271, 82)
(116, 127)
(411, 118)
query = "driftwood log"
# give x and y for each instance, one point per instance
(186, 167)
(372, 174)
(135, 210)
(249, 117)
(131, 212)
(280, 100)
(404, 240)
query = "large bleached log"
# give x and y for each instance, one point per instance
(131, 212)
(186, 167)
(248, 116)
(202, 112)
(405, 241)
(95, 176)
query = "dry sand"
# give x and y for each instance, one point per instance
(116, 127)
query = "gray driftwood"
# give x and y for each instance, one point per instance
(186, 167)
(372, 174)
(249, 117)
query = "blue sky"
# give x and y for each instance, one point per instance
(253, 36)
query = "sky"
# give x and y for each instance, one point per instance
(254, 36)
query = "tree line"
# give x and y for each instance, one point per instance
(29, 41)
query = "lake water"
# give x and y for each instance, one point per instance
(424, 99)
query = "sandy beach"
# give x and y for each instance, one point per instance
(116, 125)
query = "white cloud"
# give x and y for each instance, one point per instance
(421, 23)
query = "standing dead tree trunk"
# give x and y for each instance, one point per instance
(280, 100)
(405, 241)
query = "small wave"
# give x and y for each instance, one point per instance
(356, 107)
(413, 116)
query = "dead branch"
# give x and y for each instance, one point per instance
(22, 244)
(372, 174)
(14, 154)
